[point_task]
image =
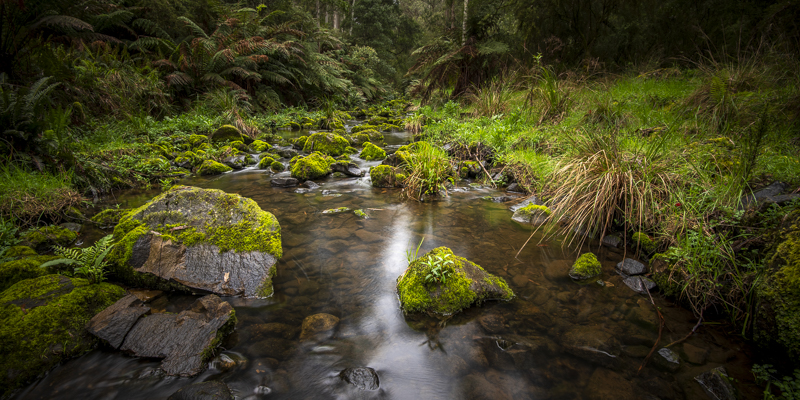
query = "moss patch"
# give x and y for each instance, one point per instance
(585, 267)
(26, 268)
(265, 162)
(43, 324)
(276, 166)
(226, 133)
(372, 152)
(42, 239)
(383, 176)
(779, 313)
(644, 242)
(534, 210)
(258, 146)
(314, 166)
(326, 143)
(466, 284)
(211, 167)
(108, 217)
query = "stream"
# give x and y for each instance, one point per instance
(557, 339)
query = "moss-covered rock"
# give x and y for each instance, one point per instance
(469, 169)
(314, 166)
(373, 135)
(42, 239)
(384, 176)
(372, 152)
(12, 272)
(413, 147)
(300, 142)
(211, 167)
(227, 133)
(532, 214)
(778, 318)
(196, 140)
(265, 162)
(19, 251)
(276, 166)
(363, 127)
(358, 139)
(239, 145)
(585, 267)
(205, 239)
(464, 284)
(399, 158)
(644, 242)
(326, 143)
(108, 217)
(258, 146)
(43, 323)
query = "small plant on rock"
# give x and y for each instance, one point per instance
(439, 268)
(91, 261)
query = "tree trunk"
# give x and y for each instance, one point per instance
(464, 24)
(336, 20)
(352, 16)
(317, 12)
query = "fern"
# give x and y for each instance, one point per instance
(90, 261)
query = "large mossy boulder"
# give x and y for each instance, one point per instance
(227, 133)
(461, 284)
(211, 167)
(372, 152)
(384, 176)
(326, 143)
(200, 239)
(314, 166)
(109, 217)
(44, 238)
(43, 323)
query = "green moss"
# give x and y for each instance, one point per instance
(336, 210)
(211, 167)
(43, 324)
(223, 331)
(326, 143)
(780, 296)
(358, 139)
(196, 140)
(265, 162)
(373, 135)
(276, 166)
(43, 238)
(383, 176)
(372, 152)
(108, 217)
(363, 127)
(19, 251)
(585, 267)
(644, 242)
(469, 169)
(361, 214)
(239, 145)
(413, 147)
(445, 298)
(533, 210)
(14, 271)
(314, 166)
(226, 133)
(300, 142)
(258, 146)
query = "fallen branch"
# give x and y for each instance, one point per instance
(699, 322)
(660, 329)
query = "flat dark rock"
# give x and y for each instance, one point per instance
(639, 284)
(212, 390)
(349, 169)
(311, 185)
(630, 267)
(717, 384)
(667, 360)
(769, 193)
(364, 378)
(113, 323)
(180, 339)
(612, 241)
(287, 152)
(283, 182)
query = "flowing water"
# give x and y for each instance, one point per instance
(557, 339)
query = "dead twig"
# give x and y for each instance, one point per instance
(660, 329)
(699, 322)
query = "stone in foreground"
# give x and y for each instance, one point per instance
(113, 323)
(43, 324)
(585, 267)
(465, 284)
(364, 378)
(185, 341)
(201, 239)
(717, 384)
(630, 267)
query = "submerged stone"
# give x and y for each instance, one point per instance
(43, 324)
(630, 266)
(717, 384)
(317, 324)
(349, 169)
(203, 239)
(185, 341)
(667, 360)
(283, 182)
(364, 378)
(639, 284)
(462, 283)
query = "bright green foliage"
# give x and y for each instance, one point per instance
(211, 167)
(533, 210)
(363, 127)
(42, 238)
(449, 289)
(326, 143)
(374, 136)
(226, 133)
(300, 142)
(788, 386)
(12, 272)
(336, 210)
(644, 242)
(361, 214)
(314, 166)
(781, 296)
(259, 146)
(383, 176)
(43, 324)
(239, 145)
(265, 162)
(196, 141)
(88, 261)
(585, 267)
(372, 152)
(429, 170)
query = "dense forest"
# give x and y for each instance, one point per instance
(671, 125)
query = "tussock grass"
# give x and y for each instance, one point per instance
(29, 197)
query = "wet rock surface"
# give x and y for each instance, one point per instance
(639, 284)
(716, 384)
(364, 378)
(667, 359)
(213, 390)
(630, 267)
(348, 169)
(317, 324)
(283, 182)
(183, 340)
(113, 323)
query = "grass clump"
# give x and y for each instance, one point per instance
(429, 169)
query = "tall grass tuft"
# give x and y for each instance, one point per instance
(429, 171)
(31, 196)
(493, 99)
(606, 182)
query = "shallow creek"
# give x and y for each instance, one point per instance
(556, 340)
